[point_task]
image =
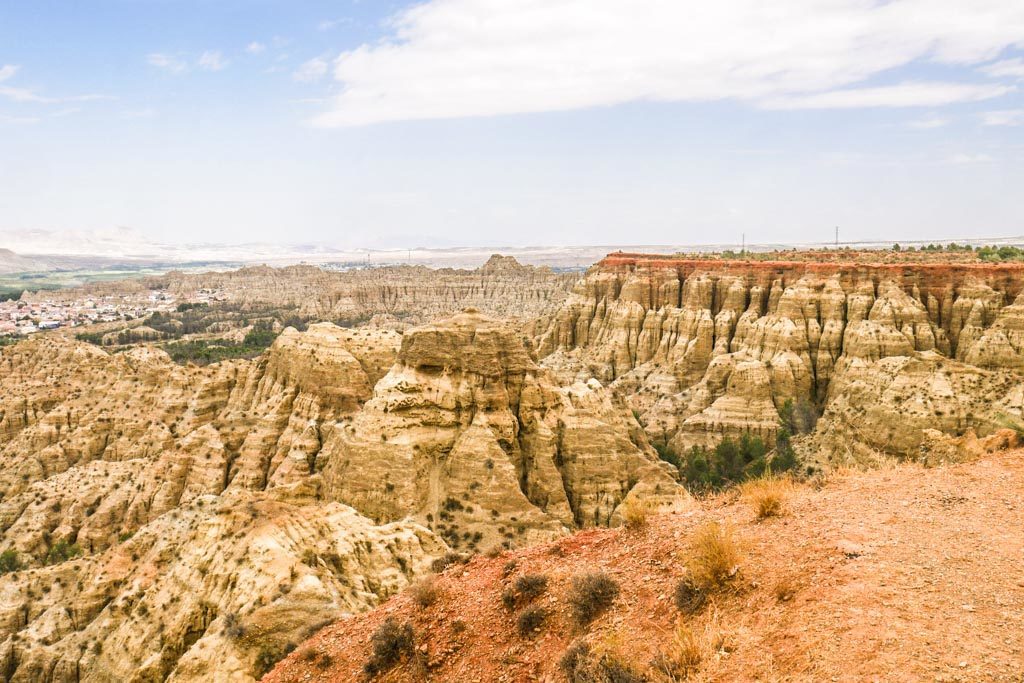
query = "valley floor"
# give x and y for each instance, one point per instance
(900, 574)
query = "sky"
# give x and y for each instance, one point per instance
(513, 122)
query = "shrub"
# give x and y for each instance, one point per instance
(9, 561)
(590, 595)
(714, 557)
(447, 560)
(390, 642)
(268, 656)
(689, 598)
(233, 627)
(425, 592)
(529, 620)
(580, 664)
(635, 513)
(767, 495)
(530, 586)
(62, 551)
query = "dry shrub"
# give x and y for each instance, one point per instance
(689, 597)
(390, 643)
(714, 557)
(426, 591)
(531, 586)
(530, 620)
(590, 595)
(582, 664)
(785, 589)
(767, 495)
(635, 512)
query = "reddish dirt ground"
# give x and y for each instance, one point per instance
(903, 574)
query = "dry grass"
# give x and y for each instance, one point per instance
(714, 557)
(767, 495)
(635, 513)
(425, 592)
(689, 649)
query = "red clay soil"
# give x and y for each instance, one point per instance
(904, 574)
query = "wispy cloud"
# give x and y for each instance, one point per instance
(131, 114)
(29, 96)
(328, 24)
(255, 47)
(166, 62)
(18, 120)
(914, 94)
(969, 159)
(311, 71)
(1003, 117)
(1007, 68)
(929, 122)
(212, 60)
(456, 58)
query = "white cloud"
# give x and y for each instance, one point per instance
(969, 159)
(255, 47)
(454, 58)
(1007, 68)
(166, 62)
(914, 94)
(310, 71)
(27, 95)
(929, 122)
(329, 24)
(212, 60)
(1003, 117)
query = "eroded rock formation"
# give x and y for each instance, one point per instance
(470, 435)
(709, 348)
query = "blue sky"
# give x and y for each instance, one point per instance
(490, 122)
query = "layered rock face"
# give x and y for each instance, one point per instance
(710, 348)
(200, 546)
(469, 435)
(192, 523)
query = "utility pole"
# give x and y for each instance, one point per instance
(743, 249)
(837, 237)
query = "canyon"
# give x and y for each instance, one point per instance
(174, 521)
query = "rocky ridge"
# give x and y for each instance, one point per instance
(193, 523)
(705, 349)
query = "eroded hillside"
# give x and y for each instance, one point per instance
(193, 523)
(886, 351)
(902, 574)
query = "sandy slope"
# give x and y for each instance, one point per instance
(904, 574)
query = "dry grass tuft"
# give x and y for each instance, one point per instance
(425, 592)
(714, 557)
(635, 513)
(767, 495)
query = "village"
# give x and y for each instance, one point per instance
(23, 317)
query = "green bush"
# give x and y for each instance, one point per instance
(62, 551)
(9, 561)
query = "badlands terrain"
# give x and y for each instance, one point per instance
(168, 520)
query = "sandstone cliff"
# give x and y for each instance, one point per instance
(468, 434)
(709, 348)
(166, 516)
(193, 523)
